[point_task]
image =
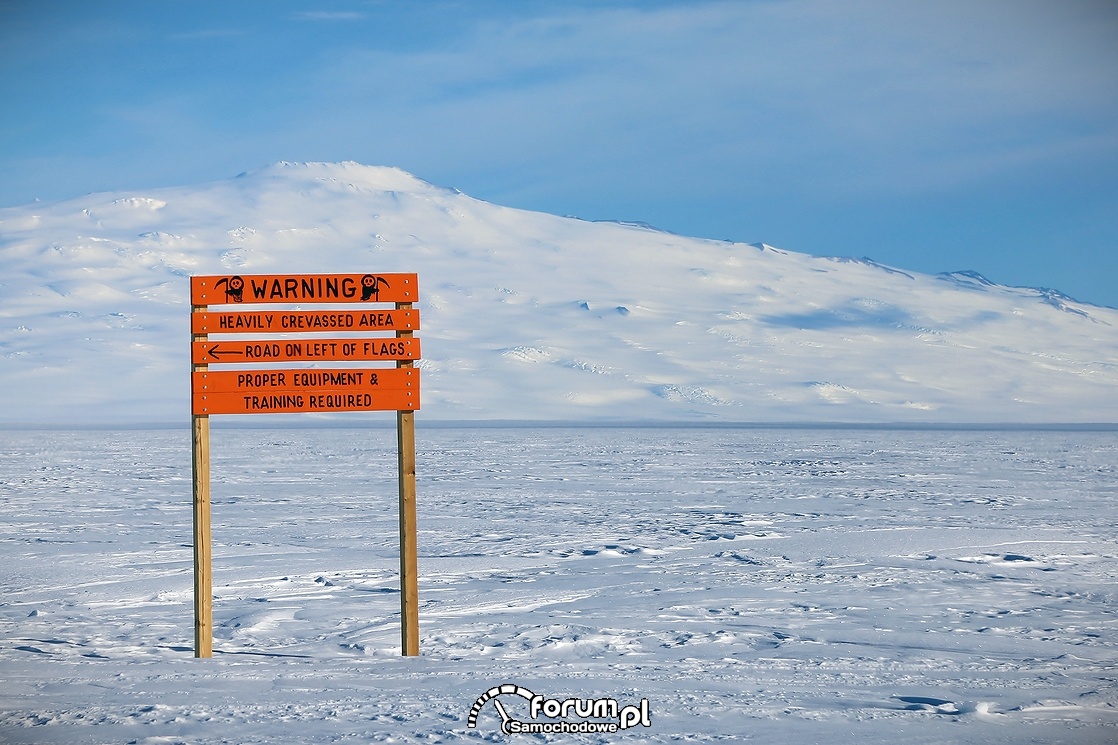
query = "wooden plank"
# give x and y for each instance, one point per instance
(304, 288)
(309, 401)
(203, 562)
(409, 540)
(236, 351)
(303, 321)
(341, 380)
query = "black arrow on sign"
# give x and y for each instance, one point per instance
(212, 352)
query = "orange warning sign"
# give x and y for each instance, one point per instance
(309, 401)
(304, 288)
(369, 334)
(303, 321)
(362, 379)
(212, 352)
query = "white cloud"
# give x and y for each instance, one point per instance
(870, 95)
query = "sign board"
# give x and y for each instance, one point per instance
(303, 391)
(311, 401)
(303, 321)
(304, 288)
(262, 338)
(302, 350)
(268, 380)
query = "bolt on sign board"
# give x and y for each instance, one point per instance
(246, 343)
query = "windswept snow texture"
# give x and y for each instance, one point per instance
(754, 585)
(531, 316)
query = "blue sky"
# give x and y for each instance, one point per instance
(932, 135)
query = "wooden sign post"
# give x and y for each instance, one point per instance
(269, 390)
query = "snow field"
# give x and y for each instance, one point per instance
(759, 585)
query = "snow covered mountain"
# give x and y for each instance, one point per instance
(532, 316)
